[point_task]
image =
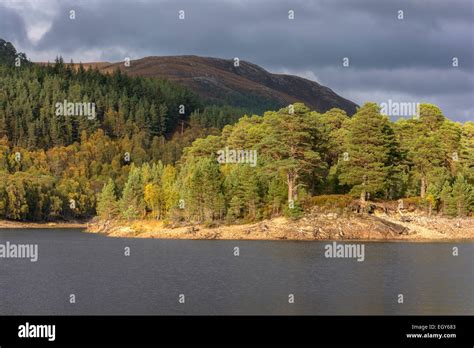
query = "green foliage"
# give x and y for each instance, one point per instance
(141, 158)
(9, 55)
(372, 153)
(107, 201)
(293, 213)
(202, 189)
(431, 116)
(289, 140)
(331, 202)
(243, 187)
(217, 116)
(467, 151)
(251, 103)
(125, 106)
(429, 145)
(458, 198)
(132, 203)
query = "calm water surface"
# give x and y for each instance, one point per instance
(214, 281)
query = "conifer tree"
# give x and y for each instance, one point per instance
(462, 201)
(107, 201)
(466, 155)
(289, 140)
(132, 204)
(370, 145)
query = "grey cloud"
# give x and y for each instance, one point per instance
(12, 26)
(261, 31)
(410, 56)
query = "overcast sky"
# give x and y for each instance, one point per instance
(407, 60)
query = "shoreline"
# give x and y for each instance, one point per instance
(312, 227)
(7, 224)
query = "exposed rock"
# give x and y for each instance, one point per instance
(312, 227)
(406, 218)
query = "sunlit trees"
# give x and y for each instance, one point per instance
(169, 190)
(422, 144)
(462, 200)
(140, 158)
(132, 203)
(202, 189)
(290, 141)
(17, 204)
(107, 201)
(467, 151)
(152, 197)
(371, 147)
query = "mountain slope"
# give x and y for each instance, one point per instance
(218, 80)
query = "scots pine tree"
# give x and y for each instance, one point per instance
(370, 147)
(107, 201)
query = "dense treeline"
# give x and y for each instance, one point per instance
(62, 182)
(299, 155)
(217, 116)
(52, 166)
(128, 161)
(124, 106)
(305, 153)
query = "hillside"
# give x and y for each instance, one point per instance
(248, 85)
(126, 161)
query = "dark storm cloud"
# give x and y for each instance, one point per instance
(410, 57)
(322, 33)
(12, 26)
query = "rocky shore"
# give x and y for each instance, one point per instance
(313, 226)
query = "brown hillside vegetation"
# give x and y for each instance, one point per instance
(217, 79)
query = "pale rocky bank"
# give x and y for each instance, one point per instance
(313, 226)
